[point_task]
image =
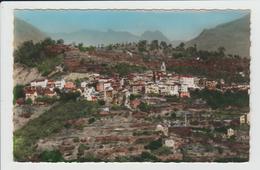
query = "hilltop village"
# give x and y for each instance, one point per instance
(153, 115)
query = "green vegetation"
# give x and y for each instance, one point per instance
(143, 157)
(124, 69)
(48, 65)
(52, 121)
(142, 45)
(141, 133)
(91, 120)
(217, 99)
(101, 102)
(147, 157)
(118, 107)
(82, 148)
(154, 144)
(135, 96)
(46, 99)
(69, 96)
(173, 115)
(89, 158)
(28, 101)
(51, 156)
(164, 150)
(82, 48)
(38, 55)
(172, 98)
(144, 107)
(18, 92)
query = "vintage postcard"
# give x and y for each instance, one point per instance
(131, 85)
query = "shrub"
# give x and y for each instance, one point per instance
(46, 99)
(147, 157)
(91, 120)
(144, 107)
(135, 96)
(154, 144)
(101, 102)
(69, 96)
(52, 121)
(163, 151)
(18, 92)
(28, 101)
(51, 156)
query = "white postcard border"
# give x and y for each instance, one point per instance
(7, 81)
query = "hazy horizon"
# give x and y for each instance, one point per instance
(175, 25)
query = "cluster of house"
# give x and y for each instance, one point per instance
(117, 90)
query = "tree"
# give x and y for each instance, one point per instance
(60, 41)
(134, 96)
(192, 51)
(28, 101)
(221, 51)
(154, 45)
(142, 45)
(77, 82)
(48, 41)
(26, 54)
(144, 107)
(69, 96)
(51, 156)
(18, 92)
(110, 47)
(101, 102)
(163, 45)
(91, 120)
(181, 46)
(173, 115)
(153, 145)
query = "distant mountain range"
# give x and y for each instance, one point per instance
(234, 36)
(94, 37)
(24, 31)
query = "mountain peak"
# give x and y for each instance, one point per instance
(154, 35)
(24, 31)
(234, 36)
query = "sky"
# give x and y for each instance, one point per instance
(175, 25)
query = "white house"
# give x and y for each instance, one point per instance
(187, 80)
(89, 93)
(244, 119)
(122, 82)
(175, 91)
(127, 98)
(31, 94)
(184, 92)
(184, 88)
(160, 128)
(60, 84)
(39, 83)
(170, 143)
(129, 53)
(230, 132)
(83, 84)
(152, 88)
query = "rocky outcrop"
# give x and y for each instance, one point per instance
(24, 75)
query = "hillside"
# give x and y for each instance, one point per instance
(24, 31)
(154, 35)
(234, 36)
(94, 37)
